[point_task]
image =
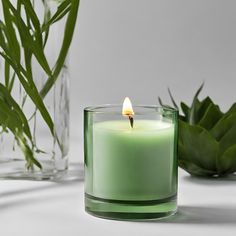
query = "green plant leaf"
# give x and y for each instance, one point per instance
(32, 92)
(172, 99)
(4, 44)
(210, 117)
(198, 145)
(194, 169)
(7, 74)
(10, 86)
(68, 35)
(195, 107)
(205, 103)
(27, 39)
(29, 155)
(12, 104)
(62, 10)
(164, 105)
(223, 125)
(207, 138)
(228, 139)
(30, 13)
(10, 32)
(227, 161)
(231, 109)
(47, 17)
(13, 118)
(185, 110)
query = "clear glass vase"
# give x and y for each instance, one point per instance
(47, 115)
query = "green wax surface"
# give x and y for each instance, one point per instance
(133, 163)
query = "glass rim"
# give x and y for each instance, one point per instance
(100, 109)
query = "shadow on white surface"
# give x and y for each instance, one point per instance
(203, 215)
(74, 175)
(20, 194)
(222, 181)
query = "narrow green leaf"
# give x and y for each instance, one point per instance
(160, 101)
(12, 117)
(10, 87)
(7, 74)
(29, 155)
(28, 40)
(185, 110)
(172, 99)
(8, 99)
(195, 106)
(164, 105)
(29, 10)
(68, 35)
(47, 17)
(10, 32)
(32, 92)
(3, 42)
(62, 10)
(11, 120)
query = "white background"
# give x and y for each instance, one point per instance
(138, 48)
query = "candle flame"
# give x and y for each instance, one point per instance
(127, 109)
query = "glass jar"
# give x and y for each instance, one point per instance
(130, 172)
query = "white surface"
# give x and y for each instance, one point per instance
(206, 207)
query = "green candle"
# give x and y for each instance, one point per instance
(130, 161)
(133, 163)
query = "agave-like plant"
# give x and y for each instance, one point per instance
(207, 138)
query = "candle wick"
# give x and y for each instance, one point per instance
(131, 120)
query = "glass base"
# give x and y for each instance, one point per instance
(15, 169)
(130, 210)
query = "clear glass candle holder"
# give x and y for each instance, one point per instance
(130, 172)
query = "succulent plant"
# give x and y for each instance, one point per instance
(207, 138)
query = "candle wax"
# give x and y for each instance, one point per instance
(133, 163)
